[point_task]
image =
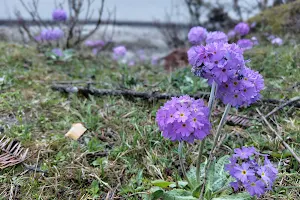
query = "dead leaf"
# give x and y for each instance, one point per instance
(76, 131)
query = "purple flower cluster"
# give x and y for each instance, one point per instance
(231, 34)
(197, 35)
(252, 171)
(242, 28)
(59, 15)
(94, 43)
(217, 62)
(58, 52)
(216, 36)
(119, 52)
(51, 34)
(245, 44)
(184, 119)
(243, 89)
(277, 41)
(224, 63)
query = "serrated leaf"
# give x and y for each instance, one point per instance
(161, 183)
(239, 196)
(178, 194)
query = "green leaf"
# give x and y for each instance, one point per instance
(178, 194)
(161, 183)
(180, 184)
(191, 174)
(210, 177)
(156, 192)
(219, 167)
(239, 196)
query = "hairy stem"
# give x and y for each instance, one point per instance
(223, 120)
(181, 162)
(202, 143)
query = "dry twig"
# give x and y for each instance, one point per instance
(11, 152)
(279, 136)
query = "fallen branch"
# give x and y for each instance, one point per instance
(291, 101)
(126, 93)
(148, 95)
(279, 136)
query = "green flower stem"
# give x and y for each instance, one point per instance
(181, 162)
(202, 143)
(222, 122)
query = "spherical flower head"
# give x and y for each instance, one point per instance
(59, 15)
(51, 34)
(58, 52)
(119, 52)
(216, 36)
(57, 34)
(231, 34)
(277, 41)
(217, 62)
(197, 35)
(184, 119)
(250, 172)
(94, 44)
(245, 44)
(242, 90)
(154, 60)
(131, 63)
(242, 28)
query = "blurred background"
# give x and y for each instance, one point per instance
(147, 23)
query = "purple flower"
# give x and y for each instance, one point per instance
(154, 60)
(243, 88)
(216, 61)
(95, 44)
(58, 52)
(255, 187)
(277, 41)
(197, 35)
(59, 15)
(234, 185)
(245, 44)
(242, 28)
(251, 173)
(51, 34)
(231, 34)
(141, 55)
(216, 36)
(183, 119)
(244, 152)
(254, 40)
(131, 63)
(119, 52)
(243, 172)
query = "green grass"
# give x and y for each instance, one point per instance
(123, 151)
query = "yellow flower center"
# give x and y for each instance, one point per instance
(263, 173)
(181, 114)
(194, 119)
(253, 184)
(244, 172)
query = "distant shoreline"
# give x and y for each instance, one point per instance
(14, 22)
